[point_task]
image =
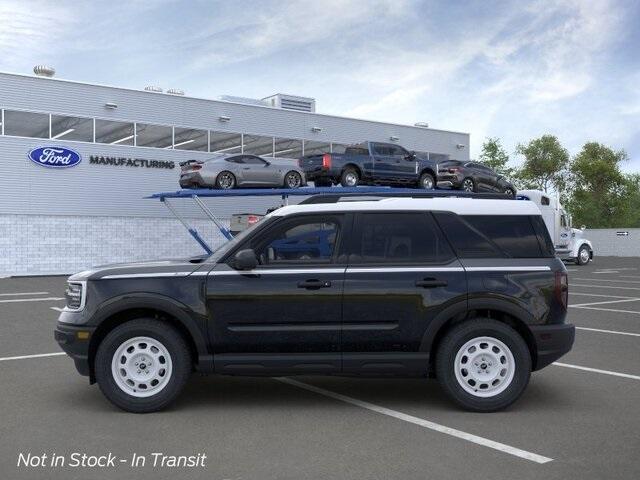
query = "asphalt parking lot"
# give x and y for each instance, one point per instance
(578, 419)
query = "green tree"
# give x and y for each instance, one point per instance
(600, 195)
(545, 164)
(494, 156)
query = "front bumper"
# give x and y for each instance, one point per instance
(552, 342)
(74, 340)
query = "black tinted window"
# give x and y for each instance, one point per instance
(544, 239)
(514, 234)
(467, 241)
(398, 238)
(253, 160)
(235, 159)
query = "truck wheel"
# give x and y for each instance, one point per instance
(349, 178)
(483, 365)
(142, 365)
(426, 181)
(468, 185)
(225, 180)
(584, 255)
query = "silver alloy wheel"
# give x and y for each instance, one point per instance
(293, 180)
(584, 255)
(427, 182)
(484, 367)
(467, 185)
(141, 366)
(509, 192)
(351, 179)
(226, 180)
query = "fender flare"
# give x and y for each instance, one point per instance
(462, 308)
(576, 248)
(154, 301)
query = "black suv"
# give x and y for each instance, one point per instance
(466, 290)
(472, 177)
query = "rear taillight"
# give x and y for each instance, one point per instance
(326, 161)
(197, 166)
(251, 219)
(453, 170)
(562, 288)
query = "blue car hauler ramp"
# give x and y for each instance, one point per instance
(317, 195)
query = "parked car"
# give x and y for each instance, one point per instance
(472, 177)
(370, 163)
(471, 294)
(570, 243)
(232, 171)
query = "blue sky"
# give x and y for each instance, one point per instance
(514, 70)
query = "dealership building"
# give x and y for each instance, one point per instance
(121, 145)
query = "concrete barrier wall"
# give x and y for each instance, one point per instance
(609, 242)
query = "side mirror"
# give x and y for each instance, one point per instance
(410, 156)
(245, 260)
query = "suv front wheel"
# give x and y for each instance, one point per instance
(483, 365)
(142, 365)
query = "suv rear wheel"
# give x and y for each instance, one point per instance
(468, 185)
(483, 365)
(142, 365)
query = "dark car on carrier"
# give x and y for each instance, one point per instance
(467, 290)
(472, 177)
(370, 163)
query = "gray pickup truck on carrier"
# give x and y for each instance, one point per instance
(370, 163)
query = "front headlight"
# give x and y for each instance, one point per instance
(75, 295)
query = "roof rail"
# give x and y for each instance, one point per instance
(358, 197)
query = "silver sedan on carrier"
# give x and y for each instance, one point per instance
(241, 170)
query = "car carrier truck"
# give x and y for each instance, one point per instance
(570, 243)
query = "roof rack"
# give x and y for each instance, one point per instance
(402, 193)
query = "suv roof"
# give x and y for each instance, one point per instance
(462, 206)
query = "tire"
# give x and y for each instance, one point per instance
(510, 381)
(133, 342)
(426, 182)
(225, 180)
(584, 255)
(509, 192)
(468, 185)
(349, 177)
(292, 180)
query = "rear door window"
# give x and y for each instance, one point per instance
(467, 241)
(398, 238)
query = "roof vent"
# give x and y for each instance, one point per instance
(292, 102)
(153, 88)
(175, 91)
(44, 71)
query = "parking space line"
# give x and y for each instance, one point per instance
(608, 331)
(57, 309)
(39, 355)
(597, 370)
(485, 442)
(45, 299)
(609, 310)
(22, 293)
(571, 292)
(617, 287)
(605, 302)
(606, 280)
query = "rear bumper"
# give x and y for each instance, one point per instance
(449, 181)
(552, 342)
(75, 345)
(191, 180)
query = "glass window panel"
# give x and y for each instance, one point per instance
(157, 136)
(288, 148)
(338, 148)
(258, 145)
(190, 139)
(316, 148)
(514, 234)
(26, 124)
(115, 133)
(72, 128)
(222, 142)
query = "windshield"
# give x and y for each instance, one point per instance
(229, 245)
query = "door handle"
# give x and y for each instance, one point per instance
(247, 168)
(314, 284)
(430, 283)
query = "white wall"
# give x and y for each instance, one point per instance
(606, 242)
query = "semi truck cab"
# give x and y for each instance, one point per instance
(570, 243)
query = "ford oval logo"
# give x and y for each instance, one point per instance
(55, 157)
